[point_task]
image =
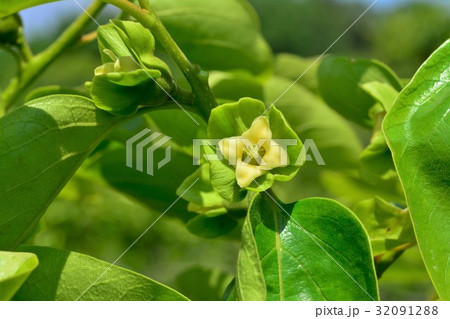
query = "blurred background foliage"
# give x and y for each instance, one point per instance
(92, 218)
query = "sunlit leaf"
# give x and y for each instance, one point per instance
(418, 131)
(65, 276)
(14, 270)
(314, 249)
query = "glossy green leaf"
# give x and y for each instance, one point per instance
(41, 145)
(314, 249)
(8, 7)
(389, 226)
(218, 35)
(65, 276)
(340, 81)
(14, 270)
(418, 131)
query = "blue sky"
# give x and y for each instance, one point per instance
(39, 18)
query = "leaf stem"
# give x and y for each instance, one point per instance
(198, 79)
(40, 62)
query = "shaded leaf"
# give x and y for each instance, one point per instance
(41, 145)
(211, 226)
(340, 81)
(202, 284)
(157, 191)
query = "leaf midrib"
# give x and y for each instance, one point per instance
(278, 249)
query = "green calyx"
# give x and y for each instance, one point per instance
(130, 76)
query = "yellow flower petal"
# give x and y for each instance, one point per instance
(105, 68)
(246, 173)
(127, 64)
(232, 149)
(276, 156)
(259, 130)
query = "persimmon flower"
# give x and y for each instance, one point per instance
(254, 153)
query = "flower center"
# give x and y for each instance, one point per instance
(253, 154)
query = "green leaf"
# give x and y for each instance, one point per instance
(340, 83)
(234, 85)
(314, 249)
(8, 7)
(14, 270)
(383, 93)
(41, 145)
(418, 130)
(218, 35)
(65, 276)
(376, 160)
(389, 226)
(312, 119)
(211, 226)
(250, 282)
(349, 188)
(202, 284)
(230, 292)
(292, 66)
(176, 124)
(53, 90)
(157, 191)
